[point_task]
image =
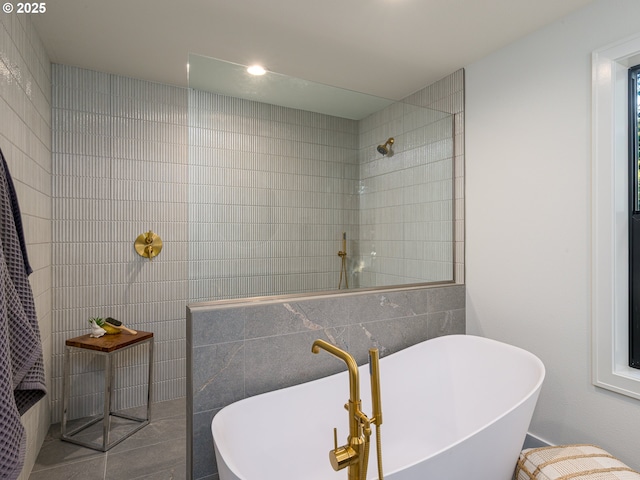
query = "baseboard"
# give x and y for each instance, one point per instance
(531, 441)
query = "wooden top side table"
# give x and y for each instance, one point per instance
(108, 343)
(107, 346)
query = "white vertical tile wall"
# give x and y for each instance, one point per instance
(272, 189)
(407, 197)
(25, 139)
(447, 95)
(120, 169)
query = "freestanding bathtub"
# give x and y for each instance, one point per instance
(455, 407)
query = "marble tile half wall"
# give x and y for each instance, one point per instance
(237, 350)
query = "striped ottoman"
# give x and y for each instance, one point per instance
(571, 462)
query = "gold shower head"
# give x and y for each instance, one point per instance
(382, 149)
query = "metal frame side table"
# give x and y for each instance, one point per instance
(107, 346)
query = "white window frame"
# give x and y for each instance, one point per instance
(610, 234)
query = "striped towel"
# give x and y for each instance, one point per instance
(571, 462)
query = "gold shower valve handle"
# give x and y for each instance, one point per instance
(148, 245)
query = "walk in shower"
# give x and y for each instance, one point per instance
(280, 173)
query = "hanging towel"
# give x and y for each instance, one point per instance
(15, 210)
(22, 380)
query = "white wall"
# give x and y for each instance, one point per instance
(528, 161)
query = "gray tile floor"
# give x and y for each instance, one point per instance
(156, 452)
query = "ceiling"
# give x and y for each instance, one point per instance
(388, 48)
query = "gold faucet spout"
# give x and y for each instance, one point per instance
(352, 366)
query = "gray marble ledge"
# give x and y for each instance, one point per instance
(258, 320)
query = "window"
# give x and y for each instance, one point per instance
(610, 218)
(634, 218)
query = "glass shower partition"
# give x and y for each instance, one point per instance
(273, 189)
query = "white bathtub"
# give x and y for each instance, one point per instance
(455, 407)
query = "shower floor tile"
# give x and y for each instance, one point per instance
(157, 451)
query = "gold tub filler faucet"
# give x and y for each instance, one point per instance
(354, 455)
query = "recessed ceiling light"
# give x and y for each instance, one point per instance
(256, 70)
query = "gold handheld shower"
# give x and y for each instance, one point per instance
(382, 149)
(343, 255)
